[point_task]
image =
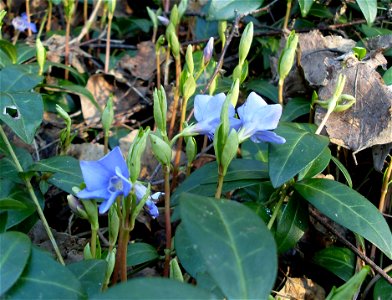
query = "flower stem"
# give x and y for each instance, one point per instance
(166, 172)
(32, 195)
(280, 91)
(158, 62)
(106, 142)
(219, 187)
(176, 96)
(93, 242)
(107, 56)
(287, 16)
(276, 211)
(324, 121)
(28, 16)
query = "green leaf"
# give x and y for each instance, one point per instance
(15, 250)
(16, 78)
(344, 171)
(316, 166)
(245, 265)
(305, 6)
(8, 168)
(153, 288)
(90, 273)
(348, 208)
(258, 151)
(369, 9)
(388, 76)
(263, 88)
(9, 203)
(44, 278)
(292, 224)
(338, 260)
(374, 31)
(25, 52)
(22, 111)
(79, 78)
(225, 10)
(295, 108)
(241, 173)
(9, 49)
(139, 253)
(382, 289)
(301, 148)
(66, 171)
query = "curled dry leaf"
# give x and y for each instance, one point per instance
(301, 289)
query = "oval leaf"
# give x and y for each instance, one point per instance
(154, 288)
(139, 253)
(15, 250)
(369, 9)
(348, 208)
(301, 148)
(305, 6)
(45, 278)
(225, 10)
(238, 249)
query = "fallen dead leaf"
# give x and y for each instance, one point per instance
(301, 289)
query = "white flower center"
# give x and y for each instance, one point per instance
(115, 184)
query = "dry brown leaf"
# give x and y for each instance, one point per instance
(301, 289)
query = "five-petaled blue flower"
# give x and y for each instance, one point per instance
(152, 209)
(257, 119)
(207, 110)
(106, 179)
(21, 23)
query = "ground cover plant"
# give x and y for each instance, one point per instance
(223, 149)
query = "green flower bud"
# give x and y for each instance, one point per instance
(174, 16)
(234, 92)
(189, 59)
(190, 149)
(241, 72)
(161, 150)
(160, 108)
(111, 6)
(135, 153)
(153, 17)
(114, 224)
(69, 7)
(246, 42)
(212, 88)
(222, 25)
(76, 206)
(159, 43)
(111, 260)
(175, 270)
(174, 44)
(87, 252)
(41, 55)
(182, 8)
(90, 207)
(108, 115)
(189, 87)
(229, 150)
(286, 59)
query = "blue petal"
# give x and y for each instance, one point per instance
(115, 159)
(267, 117)
(126, 184)
(248, 110)
(200, 106)
(214, 107)
(105, 205)
(95, 194)
(95, 175)
(206, 127)
(140, 191)
(152, 209)
(267, 136)
(32, 27)
(235, 123)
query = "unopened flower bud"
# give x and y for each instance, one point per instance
(191, 149)
(189, 59)
(135, 153)
(161, 150)
(286, 59)
(245, 43)
(222, 32)
(189, 87)
(108, 115)
(160, 108)
(174, 16)
(207, 52)
(174, 44)
(76, 206)
(165, 21)
(41, 55)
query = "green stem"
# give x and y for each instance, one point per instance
(219, 187)
(287, 16)
(166, 172)
(32, 195)
(280, 91)
(107, 56)
(106, 143)
(93, 242)
(276, 211)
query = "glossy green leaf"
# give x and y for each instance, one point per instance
(371, 31)
(250, 150)
(16, 78)
(9, 49)
(292, 224)
(8, 168)
(44, 278)
(388, 76)
(305, 6)
(295, 108)
(9, 203)
(90, 273)
(321, 11)
(338, 260)
(15, 250)
(225, 10)
(301, 148)
(139, 253)
(316, 166)
(263, 88)
(66, 171)
(369, 9)
(382, 289)
(344, 171)
(348, 208)
(153, 288)
(241, 173)
(238, 249)
(25, 52)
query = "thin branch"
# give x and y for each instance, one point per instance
(366, 259)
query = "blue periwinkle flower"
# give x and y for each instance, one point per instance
(21, 23)
(257, 119)
(209, 48)
(106, 179)
(165, 21)
(152, 209)
(207, 112)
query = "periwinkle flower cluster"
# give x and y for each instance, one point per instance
(108, 178)
(21, 23)
(256, 118)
